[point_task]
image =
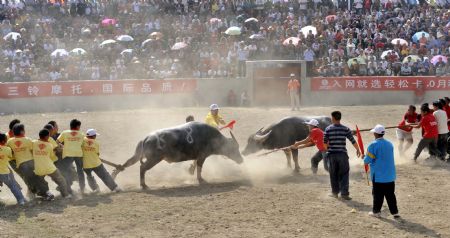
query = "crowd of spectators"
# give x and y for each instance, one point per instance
(72, 39)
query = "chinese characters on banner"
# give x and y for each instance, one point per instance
(380, 83)
(96, 88)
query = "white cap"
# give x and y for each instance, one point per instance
(92, 132)
(214, 107)
(313, 122)
(378, 129)
(292, 75)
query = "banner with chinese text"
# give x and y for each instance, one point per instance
(380, 83)
(96, 88)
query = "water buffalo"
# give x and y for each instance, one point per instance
(282, 134)
(191, 141)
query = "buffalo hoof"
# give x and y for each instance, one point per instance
(202, 181)
(144, 187)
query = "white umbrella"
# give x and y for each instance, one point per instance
(125, 38)
(18, 52)
(385, 53)
(126, 51)
(233, 31)
(107, 42)
(60, 53)
(179, 46)
(146, 42)
(252, 19)
(78, 51)
(399, 41)
(305, 30)
(12, 35)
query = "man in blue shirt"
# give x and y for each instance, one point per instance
(380, 157)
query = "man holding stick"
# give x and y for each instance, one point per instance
(315, 138)
(404, 132)
(380, 157)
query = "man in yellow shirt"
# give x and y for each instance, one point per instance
(72, 140)
(6, 175)
(213, 118)
(44, 166)
(93, 163)
(56, 146)
(22, 148)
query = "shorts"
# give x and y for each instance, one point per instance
(404, 135)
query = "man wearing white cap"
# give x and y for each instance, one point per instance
(315, 138)
(213, 118)
(380, 157)
(294, 92)
(93, 163)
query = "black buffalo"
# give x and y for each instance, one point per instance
(283, 134)
(191, 141)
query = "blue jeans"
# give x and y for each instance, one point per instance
(66, 164)
(103, 175)
(9, 180)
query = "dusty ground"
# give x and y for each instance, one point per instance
(260, 198)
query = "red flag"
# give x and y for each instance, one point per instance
(361, 147)
(229, 125)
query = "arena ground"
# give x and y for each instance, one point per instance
(260, 198)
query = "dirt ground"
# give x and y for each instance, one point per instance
(260, 198)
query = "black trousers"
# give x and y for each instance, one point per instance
(315, 160)
(339, 170)
(381, 191)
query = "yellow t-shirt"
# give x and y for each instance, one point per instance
(43, 164)
(91, 153)
(213, 121)
(72, 141)
(5, 157)
(54, 144)
(22, 149)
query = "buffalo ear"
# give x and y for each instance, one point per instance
(232, 136)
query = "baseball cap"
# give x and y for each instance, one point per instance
(214, 107)
(92, 132)
(292, 75)
(312, 122)
(378, 129)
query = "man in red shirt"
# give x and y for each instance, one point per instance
(404, 132)
(315, 138)
(429, 126)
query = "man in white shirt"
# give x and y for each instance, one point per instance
(441, 119)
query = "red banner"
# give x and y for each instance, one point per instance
(380, 83)
(96, 88)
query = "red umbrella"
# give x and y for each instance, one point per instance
(109, 22)
(214, 20)
(331, 18)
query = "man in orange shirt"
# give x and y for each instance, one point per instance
(294, 92)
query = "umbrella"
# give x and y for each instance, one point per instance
(251, 19)
(414, 58)
(305, 30)
(18, 52)
(399, 41)
(146, 42)
(107, 42)
(331, 18)
(156, 35)
(358, 59)
(124, 38)
(12, 35)
(109, 22)
(294, 40)
(126, 51)
(214, 20)
(385, 53)
(86, 31)
(416, 37)
(257, 37)
(436, 58)
(78, 51)
(60, 53)
(240, 17)
(178, 46)
(233, 31)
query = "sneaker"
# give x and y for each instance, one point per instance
(97, 190)
(346, 197)
(68, 196)
(376, 215)
(31, 195)
(333, 195)
(396, 216)
(49, 197)
(117, 190)
(21, 203)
